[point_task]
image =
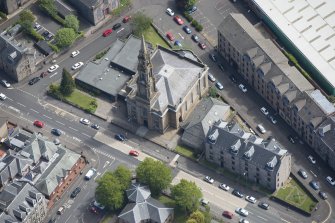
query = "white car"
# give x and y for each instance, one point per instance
(219, 85)
(273, 119)
(243, 88)
(211, 77)
(85, 121)
(311, 159)
(53, 68)
(77, 65)
(5, 83)
(224, 187)
(264, 111)
(261, 129)
(75, 53)
(170, 12)
(242, 212)
(330, 180)
(2, 96)
(251, 199)
(204, 202)
(209, 179)
(243, 221)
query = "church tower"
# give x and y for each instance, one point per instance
(146, 87)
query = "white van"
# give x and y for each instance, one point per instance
(61, 210)
(261, 129)
(90, 174)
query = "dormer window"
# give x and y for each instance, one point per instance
(248, 154)
(234, 148)
(213, 137)
(272, 164)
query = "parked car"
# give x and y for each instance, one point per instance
(311, 159)
(116, 26)
(187, 30)
(237, 193)
(107, 32)
(242, 211)
(202, 46)
(61, 210)
(75, 53)
(211, 77)
(228, 214)
(212, 57)
(330, 180)
(84, 121)
(264, 205)
(45, 33)
(261, 128)
(53, 68)
(243, 88)
(209, 179)
(264, 111)
(178, 20)
(192, 10)
(126, 19)
(250, 199)
(90, 173)
(219, 85)
(77, 65)
(43, 74)
(170, 12)
(56, 132)
(75, 192)
(273, 119)
(204, 202)
(38, 123)
(34, 80)
(170, 36)
(49, 37)
(224, 187)
(120, 137)
(5, 83)
(243, 221)
(303, 173)
(134, 153)
(195, 38)
(314, 185)
(291, 139)
(37, 26)
(178, 43)
(95, 126)
(2, 96)
(323, 195)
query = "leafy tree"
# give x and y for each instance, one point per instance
(71, 21)
(155, 174)
(27, 26)
(26, 15)
(65, 37)
(191, 220)
(185, 4)
(187, 195)
(49, 6)
(109, 192)
(140, 23)
(67, 84)
(197, 216)
(331, 98)
(123, 175)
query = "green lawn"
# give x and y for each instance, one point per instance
(179, 215)
(152, 37)
(107, 218)
(82, 100)
(292, 193)
(185, 151)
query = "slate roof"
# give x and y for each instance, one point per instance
(326, 132)
(138, 193)
(44, 47)
(12, 166)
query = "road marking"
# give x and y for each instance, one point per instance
(120, 30)
(9, 99)
(313, 173)
(106, 164)
(98, 174)
(21, 104)
(261, 217)
(73, 129)
(284, 220)
(181, 36)
(47, 117)
(75, 138)
(15, 109)
(60, 123)
(85, 134)
(34, 110)
(53, 75)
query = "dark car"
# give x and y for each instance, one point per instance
(228, 214)
(116, 26)
(314, 185)
(34, 80)
(192, 10)
(237, 193)
(213, 57)
(187, 30)
(56, 132)
(75, 192)
(95, 126)
(303, 173)
(323, 195)
(195, 38)
(264, 205)
(120, 137)
(45, 33)
(43, 74)
(52, 220)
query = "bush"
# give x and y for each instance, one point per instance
(36, 35)
(54, 47)
(199, 28)
(188, 17)
(194, 23)
(3, 15)
(101, 54)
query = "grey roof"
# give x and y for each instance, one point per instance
(110, 77)
(326, 132)
(89, 3)
(322, 102)
(44, 47)
(138, 193)
(19, 137)
(63, 8)
(12, 166)
(206, 113)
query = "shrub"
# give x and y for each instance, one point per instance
(199, 27)
(3, 15)
(54, 47)
(36, 35)
(188, 17)
(194, 23)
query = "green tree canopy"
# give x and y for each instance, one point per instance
(49, 6)
(187, 195)
(123, 174)
(26, 15)
(67, 84)
(71, 21)
(155, 174)
(65, 37)
(140, 23)
(191, 220)
(185, 4)
(197, 216)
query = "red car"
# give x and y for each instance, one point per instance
(126, 19)
(228, 214)
(94, 210)
(178, 20)
(107, 32)
(134, 153)
(202, 46)
(170, 36)
(38, 123)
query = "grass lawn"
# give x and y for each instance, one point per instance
(292, 193)
(179, 215)
(152, 37)
(185, 151)
(107, 218)
(82, 100)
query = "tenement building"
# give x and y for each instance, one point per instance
(265, 68)
(165, 89)
(264, 162)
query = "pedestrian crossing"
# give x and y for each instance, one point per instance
(103, 153)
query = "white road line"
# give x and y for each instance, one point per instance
(120, 30)
(21, 104)
(47, 117)
(73, 129)
(53, 75)
(261, 217)
(15, 109)
(284, 220)
(60, 123)
(181, 36)
(34, 110)
(9, 99)
(85, 134)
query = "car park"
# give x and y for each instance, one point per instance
(195, 38)
(264, 111)
(261, 129)
(170, 36)
(120, 137)
(75, 192)
(187, 30)
(107, 32)
(237, 193)
(84, 121)
(211, 77)
(311, 159)
(204, 202)
(303, 173)
(264, 205)
(273, 119)
(323, 195)
(5, 83)
(224, 187)
(314, 185)
(134, 153)
(212, 57)
(202, 46)
(221, 67)
(75, 53)
(116, 26)
(95, 126)
(170, 12)
(330, 180)
(243, 88)
(53, 68)
(219, 85)
(209, 179)
(56, 132)
(34, 80)
(242, 211)
(126, 19)
(77, 65)
(251, 199)
(178, 20)
(178, 43)
(2, 96)
(228, 214)
(291, 139)
(38, 123)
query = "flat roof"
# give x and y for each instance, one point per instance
(310, 26)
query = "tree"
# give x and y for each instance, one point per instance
(191, 220)
(124, 176)
(109, 192)
(185, 4)
(71, 21)
(197, 216)
(26, 16)
(65, 37)
(155, 174)
(187, 195)
(331, 98)
(49, 6)
(140, 23)
(67, 84)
